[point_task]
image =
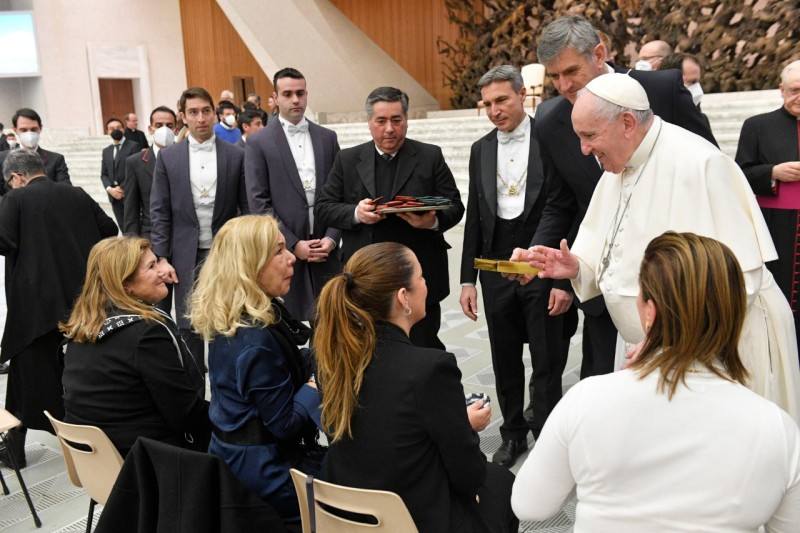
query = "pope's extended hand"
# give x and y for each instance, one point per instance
(552, 263)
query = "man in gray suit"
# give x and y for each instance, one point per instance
(198, 185)
(286, 165)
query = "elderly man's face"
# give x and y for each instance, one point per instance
(605, 139)
(570, 71)
(132, 122)
(504, 105)
(388, 125)
(790, 90)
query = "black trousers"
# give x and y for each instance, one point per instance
(515, 315)
(426, 331)
(495, 500)
(118, 206)
(599, 344)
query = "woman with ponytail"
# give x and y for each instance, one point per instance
(394, 412)
(264, 402)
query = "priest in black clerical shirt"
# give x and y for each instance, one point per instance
(769, 154)
(387, 166)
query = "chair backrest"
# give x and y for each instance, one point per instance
(387, 507)
(96, 467)
(533, 78)
(7, 421)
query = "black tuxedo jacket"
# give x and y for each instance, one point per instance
(411, 436)
(112, 171)
(139, 170)
(421, 171)
(572, 176)
(482, 199)
(55, 167)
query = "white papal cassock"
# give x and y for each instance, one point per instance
(678, 181)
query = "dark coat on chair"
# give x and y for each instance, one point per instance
(137, 379)
(411, 436)
(46, 232)
(175, 230)
(139, 170)
(55, 167)
(421, 171)
(274, 187)
(166, 489)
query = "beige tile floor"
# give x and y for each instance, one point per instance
(63, 508)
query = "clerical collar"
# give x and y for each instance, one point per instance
(646, 146)
(520, 131)
(211, 140)
(285, 123)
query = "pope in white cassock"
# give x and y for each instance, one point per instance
(661, 177)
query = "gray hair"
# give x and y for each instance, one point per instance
(610, 111)
(789, 69)
(386, 94)
(24, 162)
(502, 73)
(567, 32)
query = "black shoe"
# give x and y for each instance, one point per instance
(4, 368)
(6, 461)
(508, 452)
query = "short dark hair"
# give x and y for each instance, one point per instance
(386, 94)
(226, 104)
(28, 113)
(248, 105)
(676, 60)
(113, 119)
(194, 92)
(163, 109)
(247, 116)
(287, 72)
(25, 162)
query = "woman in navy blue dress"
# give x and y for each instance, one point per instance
(264, 402)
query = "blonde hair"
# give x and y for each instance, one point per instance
(227, 288)
(698, 290)
(112, 263)
(344, 335)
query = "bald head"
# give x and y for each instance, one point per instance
(654, 52)
(790, 88)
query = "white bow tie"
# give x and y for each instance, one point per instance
(505, 138)
(201, 147)
(300, 128)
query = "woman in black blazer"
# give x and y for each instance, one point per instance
(126, 369)
(395, 412)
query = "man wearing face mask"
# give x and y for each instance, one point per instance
(3, 144)
(112, 169)
(691, 70)
(652, 54)
(28, 129)
(10, 139)
(226, 128)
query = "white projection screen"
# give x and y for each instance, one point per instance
(18, 43)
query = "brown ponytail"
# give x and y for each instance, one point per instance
(344, 335)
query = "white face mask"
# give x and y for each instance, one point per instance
(163, 137)
(696, 91)
(230, 120)
(29, 139)
(11, 144)
(643, 65)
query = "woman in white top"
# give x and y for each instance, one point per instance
(676, 442)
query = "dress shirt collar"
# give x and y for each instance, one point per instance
(519, 133)
(392, 155)
(642, 152)
(210, 141)
(156, 149)
(119, 143)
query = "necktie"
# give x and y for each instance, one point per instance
(116, 151)
(505, 138)
(387, 157)
(300, 128)
(200, 147)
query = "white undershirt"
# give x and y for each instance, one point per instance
(203, 178)
(512, 164)
(303, 154)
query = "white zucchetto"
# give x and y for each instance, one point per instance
(620, 89)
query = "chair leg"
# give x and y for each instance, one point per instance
(5, 487)
(13, 462)
(90, 518)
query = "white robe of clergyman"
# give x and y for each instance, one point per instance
(677, 181)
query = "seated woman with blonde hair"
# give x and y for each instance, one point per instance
(395, 412)
(125, 368)
(264, 402)
(675, 442)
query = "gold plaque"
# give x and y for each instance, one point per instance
(505, 267)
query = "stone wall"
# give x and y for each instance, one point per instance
(742, 44)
